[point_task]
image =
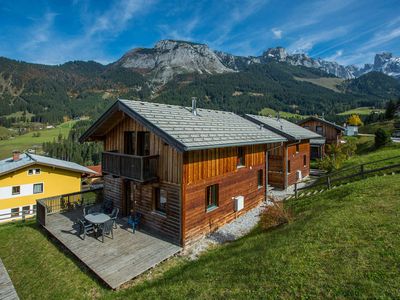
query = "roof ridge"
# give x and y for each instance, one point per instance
(30, 156)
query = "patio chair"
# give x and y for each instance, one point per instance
(85, 228)
(134, 221)
(114, 216)
(106, 229)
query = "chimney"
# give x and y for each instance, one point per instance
(16, 154)
(194, 108)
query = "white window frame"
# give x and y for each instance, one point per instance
(35, 171)
(19, 191)
(33, 188)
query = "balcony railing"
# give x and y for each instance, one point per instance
(138, 168)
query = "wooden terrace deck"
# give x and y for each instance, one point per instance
(117, 260)
(7, 290)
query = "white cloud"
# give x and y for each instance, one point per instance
(307, 42)
(277, 33)
(46, 47)
(336, 56)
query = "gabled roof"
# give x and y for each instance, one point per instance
(313, 118)
(284, 127)
(179, 127)
(26, 159)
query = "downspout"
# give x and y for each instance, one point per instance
(266, 169)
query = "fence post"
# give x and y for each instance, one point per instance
(328, 182)
(296, 193)
(23, 215)
(362, 171)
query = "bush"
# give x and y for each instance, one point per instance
(382, 138)
(335, 157)
(354, 120)
(275, 215)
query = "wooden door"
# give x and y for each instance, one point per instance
(129, 201)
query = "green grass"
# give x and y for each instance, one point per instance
(366, 152)
(19, 114)
(341, 244)
(4, 133)
(331, 83)
(373, 127)
(364, 111)
(286, 115)
(27, 141)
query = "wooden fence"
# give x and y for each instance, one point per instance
(67, 202)
(19, 216)
(349, 174)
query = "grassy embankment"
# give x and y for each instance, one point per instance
(342, 244)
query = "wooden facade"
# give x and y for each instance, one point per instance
(332, 134)
(284, 162)
(184, 177)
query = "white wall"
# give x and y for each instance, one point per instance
(25, 190)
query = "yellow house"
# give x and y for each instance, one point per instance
(25, 178)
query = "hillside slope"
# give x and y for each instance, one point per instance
(342, 244)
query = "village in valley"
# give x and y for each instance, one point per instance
(179, 171)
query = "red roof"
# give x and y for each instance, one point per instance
(96, 169)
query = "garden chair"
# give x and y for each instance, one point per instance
(85, 228)
(114, 216)
(134, 221)
(106, 229)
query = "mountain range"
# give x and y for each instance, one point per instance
(169, 58)
(174, 71)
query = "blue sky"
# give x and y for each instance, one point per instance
(52, 32)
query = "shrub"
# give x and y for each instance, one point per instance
(334, 158)
(275, 215)
(382, 138)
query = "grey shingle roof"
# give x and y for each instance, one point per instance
(207, 128)
(338, 127)
(178, 126)
(284, 127)
(8, 165)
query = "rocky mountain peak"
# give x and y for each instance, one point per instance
(278, 53)
(170, 57)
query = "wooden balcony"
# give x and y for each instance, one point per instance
(137, 168)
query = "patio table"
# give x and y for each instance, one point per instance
(97, 218)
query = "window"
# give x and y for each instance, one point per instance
(240, 157)
(16, 190)
(307, 127)
(143, 143)
(260, 178)
(38, 188)
(305, 160)
(297, 148)
(34, 208)
(160, 200)
(15, 212)
(319, 129)
(129, 142)
(212, 196)
(33, 171)
(288, 166)
(26, 209)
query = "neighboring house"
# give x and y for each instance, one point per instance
(332, 133)
(351, 130)
(95, 178)
(187, 171)
(290, 163)
(24, 178)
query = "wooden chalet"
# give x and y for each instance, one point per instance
(290, 163)
(332, 133)
(187, 171)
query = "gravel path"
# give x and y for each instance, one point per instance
(227, 233)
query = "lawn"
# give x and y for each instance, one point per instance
(341, 244)
(373, 127)
(366, 152)
(283, 114)
(364, 111)
(27, 141)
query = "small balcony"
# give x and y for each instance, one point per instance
(138, 168)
